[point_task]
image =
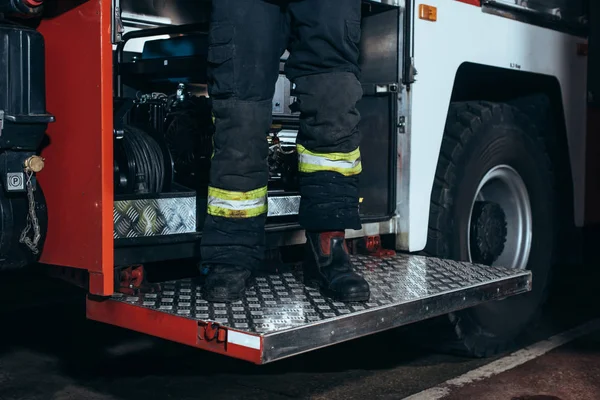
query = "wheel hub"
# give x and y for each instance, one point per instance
(488, 232)
(499, 230)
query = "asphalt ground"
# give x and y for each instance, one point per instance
(569, 372)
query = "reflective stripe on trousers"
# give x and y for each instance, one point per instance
(347, 164)
(230, 204)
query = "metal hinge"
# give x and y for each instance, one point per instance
(117, 23)
(402, 124)
(411, 73)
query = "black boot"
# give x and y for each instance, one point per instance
(327, 265)
(225, 283)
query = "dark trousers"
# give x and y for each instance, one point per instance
(247, 39)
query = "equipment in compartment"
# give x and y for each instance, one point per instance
(139, 163)
(23, 123)
(169, 75)
(189, 133)
(149, 203)
(184, 122)
(283, 159)
(283, 98)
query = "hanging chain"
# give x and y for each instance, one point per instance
(32, 220)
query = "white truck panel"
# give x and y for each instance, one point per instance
(463, 33)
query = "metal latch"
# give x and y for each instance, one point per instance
(211, 331)
(402, 124)
(386, 88)
(1, 121)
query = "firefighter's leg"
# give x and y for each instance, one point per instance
(245, 46)
(324, 66)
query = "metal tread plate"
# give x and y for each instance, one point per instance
(176, 215)
(280, 317)
(154, 217)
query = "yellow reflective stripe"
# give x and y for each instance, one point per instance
(248, 213)
(231, 195)
(347, 164)
(230, 204)
(309, 168)
(352, 156)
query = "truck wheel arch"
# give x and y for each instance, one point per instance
(540, 97)
(538, 100)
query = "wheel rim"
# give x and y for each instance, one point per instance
(504, 186)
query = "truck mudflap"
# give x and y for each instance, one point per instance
(280, 317)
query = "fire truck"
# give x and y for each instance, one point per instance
(473, 186)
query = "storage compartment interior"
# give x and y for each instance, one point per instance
(162, 109)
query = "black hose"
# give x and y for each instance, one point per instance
(143, 168)
(145, 154)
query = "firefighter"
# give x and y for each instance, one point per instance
(247, 39)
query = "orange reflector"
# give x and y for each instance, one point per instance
(428, 13)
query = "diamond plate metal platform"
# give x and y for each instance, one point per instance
(281, 206)
(154, 217)
(280, 317)
(176, 215)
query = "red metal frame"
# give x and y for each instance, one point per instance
(370, 245)
(77, 179)
(472, 2)
(33, 3)
(171, 327)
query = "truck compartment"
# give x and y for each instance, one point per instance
(164, 127)
(126, 177)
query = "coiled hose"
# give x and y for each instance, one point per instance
(145, 160)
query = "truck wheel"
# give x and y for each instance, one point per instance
(493, 203)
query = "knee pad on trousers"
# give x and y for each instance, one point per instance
(329, 118)
(240, 146)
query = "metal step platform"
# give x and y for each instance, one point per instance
(280, 317)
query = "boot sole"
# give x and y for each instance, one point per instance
(229, 299)
(359, 297)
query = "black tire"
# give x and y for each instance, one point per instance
(478, 137)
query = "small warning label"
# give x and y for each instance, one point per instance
(15, 181)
